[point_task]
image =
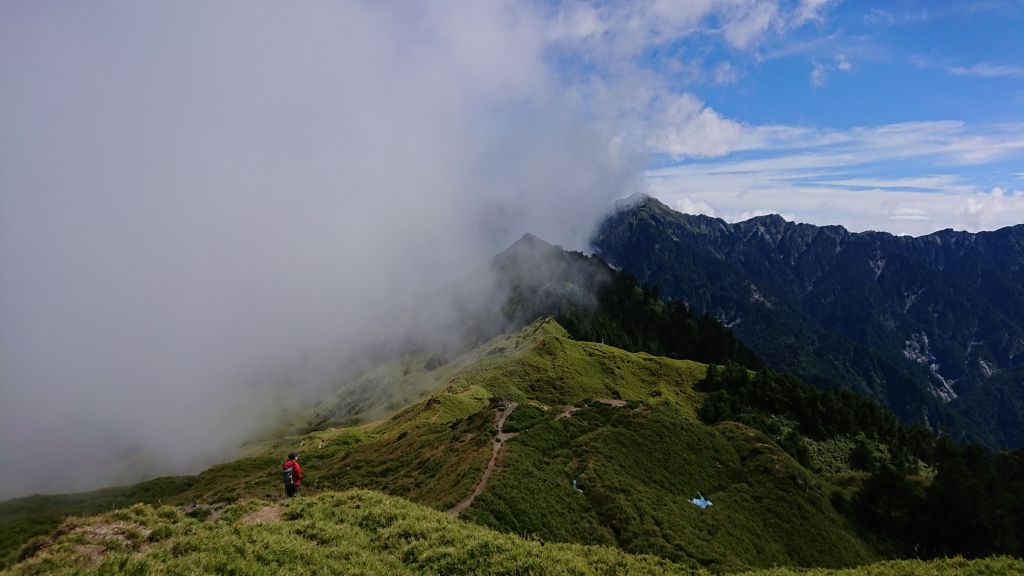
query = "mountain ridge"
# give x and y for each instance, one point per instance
(540, 433)
(943, 310)
(586, 411)
(629, 427)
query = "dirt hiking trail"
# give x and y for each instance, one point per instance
(499, 445)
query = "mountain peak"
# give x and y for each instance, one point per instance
(527, 252)
(532, 240)
(773, 218)
(640, 200)
(528, 244)
(770, 226)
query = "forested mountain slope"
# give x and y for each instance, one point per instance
(931, 326)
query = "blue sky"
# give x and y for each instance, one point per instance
(906, 62)
(899, 116)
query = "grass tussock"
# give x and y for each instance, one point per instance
(357, 532)
(353, 532)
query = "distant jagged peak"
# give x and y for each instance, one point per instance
(537, 261)
(772, 220)
(529, 247)
(951, 237)
(640, 200)
(530, 241)
(633, 199)
(771, 226)
(645, 207)
(642, 203)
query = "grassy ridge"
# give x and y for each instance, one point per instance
(638, 462)
(641, 463)
(24, 518)
(386, 458)
(356, 532)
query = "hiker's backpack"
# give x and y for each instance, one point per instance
(288, 475)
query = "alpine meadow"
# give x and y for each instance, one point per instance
(512, 287)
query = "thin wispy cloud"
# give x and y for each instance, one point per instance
(977, 70)
(820, 72)
(811, 10)
(748, 23)
(879, 16)
(798, 196)
(987, 70)
(935, 183)
(724, 74)
(819, 76)
(821, 176)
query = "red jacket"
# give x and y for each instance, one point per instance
(297, 474)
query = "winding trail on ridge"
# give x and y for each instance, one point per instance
(570, 410)
(499, 445)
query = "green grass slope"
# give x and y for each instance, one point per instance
(638, 463)
(623, 424)
(352, 532)
(24, 518)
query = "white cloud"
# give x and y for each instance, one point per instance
(683, 127)
(810, 11)
(201, 220)
(800, 199)
(998, 207)
(672, 17)
(615, 32)
(748, 214)
(879, 17)
(686, 128)
(904, 213)
(937, 182)
(818, 74)
(825, 176)
(978, 70)
(724, 74)
(949, 141)
(987, 70)
(241, 199)
(576, 22)
(688, 205)
(748, 21)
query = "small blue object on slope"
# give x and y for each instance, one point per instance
(574, 486)
(701, 501)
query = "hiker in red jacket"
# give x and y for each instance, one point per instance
(292, 473)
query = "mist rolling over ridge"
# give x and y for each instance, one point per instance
(206, 210)
(563, 286)
(213, 214)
